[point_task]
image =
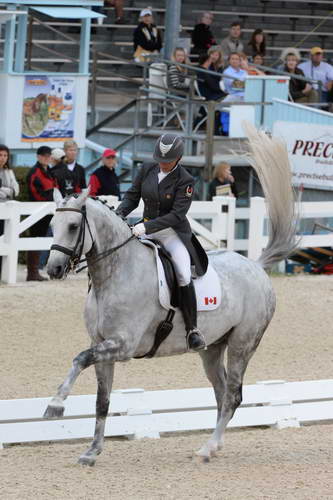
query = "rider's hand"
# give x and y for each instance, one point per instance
(139, 229)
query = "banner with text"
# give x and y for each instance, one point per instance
(48, 108)
(310, 150)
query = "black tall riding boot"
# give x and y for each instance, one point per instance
(188, 305)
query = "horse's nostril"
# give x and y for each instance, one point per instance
(55, 272)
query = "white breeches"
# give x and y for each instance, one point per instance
(178, 251)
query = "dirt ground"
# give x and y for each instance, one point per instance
(42, 330)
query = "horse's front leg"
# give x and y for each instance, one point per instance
(108, 351)
(104, 375)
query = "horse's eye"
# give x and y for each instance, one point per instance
(73, 227)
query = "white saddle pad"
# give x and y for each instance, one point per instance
(207, 287)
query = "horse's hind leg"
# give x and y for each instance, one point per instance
(212, 360)
(104, 374)
(240, 349)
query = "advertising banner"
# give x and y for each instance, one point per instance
(310, 150)
(48, 108)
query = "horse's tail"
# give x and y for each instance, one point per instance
(269, 158)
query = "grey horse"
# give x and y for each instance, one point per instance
(122, 308)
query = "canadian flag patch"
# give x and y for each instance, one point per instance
(210, 300)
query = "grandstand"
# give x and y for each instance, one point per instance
(53, 45)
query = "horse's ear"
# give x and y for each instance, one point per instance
(82, 198)
(57, 197)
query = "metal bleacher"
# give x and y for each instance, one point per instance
(305, 24)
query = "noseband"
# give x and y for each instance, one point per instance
(75, 253)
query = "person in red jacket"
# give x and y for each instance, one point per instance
(104, 181)
(40, 186)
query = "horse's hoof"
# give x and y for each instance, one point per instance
(85, 460)
(54, 412)
(208, 451)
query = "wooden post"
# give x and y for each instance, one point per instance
(256, 229)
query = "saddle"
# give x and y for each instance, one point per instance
(207, 288)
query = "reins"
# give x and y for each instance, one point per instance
(75, 253)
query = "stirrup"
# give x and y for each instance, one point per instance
(202, 343)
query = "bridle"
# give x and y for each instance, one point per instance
(75, 253)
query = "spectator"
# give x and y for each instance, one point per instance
(249, 68)
(233, 42)
(104, 180)
(176, 77)
(40, 186)
(209, 85)
(202, 37)
(235, 86)
(119, 9)
(71, 151)
(147, 37)
(222, 177)
(257, 43)
(62, 174)
(9, 187)
(299, 90)
(258, 59)
(317, 69)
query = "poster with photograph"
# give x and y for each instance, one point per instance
(48, 108)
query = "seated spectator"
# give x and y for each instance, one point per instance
(222, 177)
(176, 77)
(61, 172)
(202, 36)
(119, 9)
(299, 90)
(249, 68)
(40, 187)
(71, 152)
(232, 43)
(317, 69)
(258, 59)
(209, 85)
(9, 187)
(235, 86)
(104, 180)
(257, 43)
(147, 38)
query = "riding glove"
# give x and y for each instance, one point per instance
(139, 229)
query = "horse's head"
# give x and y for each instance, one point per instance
(71, 232)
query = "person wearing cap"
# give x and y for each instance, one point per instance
(104, 181)
(317, 69)
(146, 37)
(60, 171)
(40, 187)
(71, 150)
(167, 190)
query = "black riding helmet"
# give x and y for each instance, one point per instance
(169, 147)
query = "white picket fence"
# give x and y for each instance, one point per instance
(137, 414)
(220, 214)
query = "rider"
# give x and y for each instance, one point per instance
(167, 189)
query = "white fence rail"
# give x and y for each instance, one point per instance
(136, 414)
(220, 214)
